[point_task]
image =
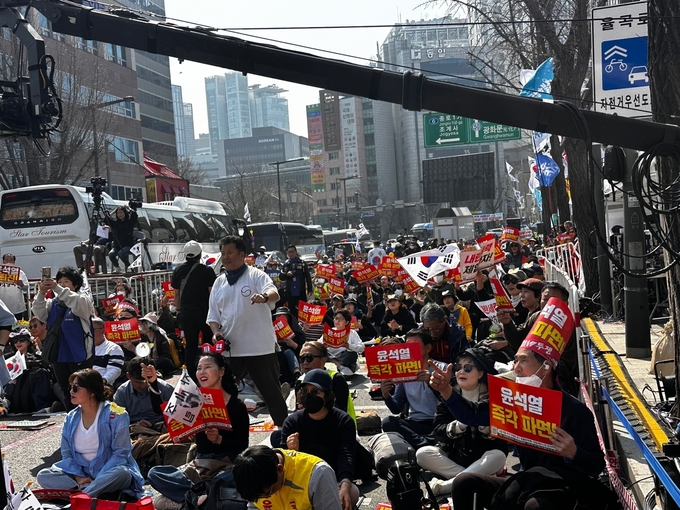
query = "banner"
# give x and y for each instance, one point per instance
(168, 290)
(16, 364)
(469, 262)
(480, 218)
(109, 304)
(185, 402)
(454, 276)
(426, 264)
(366, 274)
(503, 303)
(551, 331)
(488, 308)
(395, 362)
(213, 414)
(282, 328)
(486, 258)
(547, 169)
(565, 238)
(410, 285)
(510, 234)
(335, 337)
(389, 267)
(336, 286)
(523, 414)
(323, 292)
(358, 265)
(311, 314)
(325, 271)
(122, 331)
(498, 254)
(9, 274)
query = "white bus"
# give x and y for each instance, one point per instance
(42, 224)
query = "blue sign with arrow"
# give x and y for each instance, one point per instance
(624, 63)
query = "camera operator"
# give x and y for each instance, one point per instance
(121, 224)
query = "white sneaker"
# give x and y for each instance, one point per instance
(285, 390)
(346, 372)
(161, 502)
(436, 486)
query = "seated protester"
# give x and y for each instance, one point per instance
(108, 356)
(95, 445)
(38, 331)
(457, 314)
(510, 281)
(358, 294)
(72, 305)
(447, 340)
(126, 310)
(135, 394)
(365, 328)
(337, 303)
(33, 389)
(167, 316)
(289, 350)
(397, 319)
(440, 286)
(530, 299)
(216, 449)
(534, 270)
(417, 426)
(278, 479)
(479, 290)
(346, 355)
(323, 430)
(419, 300)
(315, 330)
(571, 471)
(160, 350)
(462, 448)
(123, 289)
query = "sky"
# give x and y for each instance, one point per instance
(358, 42)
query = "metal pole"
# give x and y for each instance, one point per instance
(94, 145)
(603, 266)
(278, 183)
(638, 341)
(344, 192)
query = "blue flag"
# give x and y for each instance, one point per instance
(539, 84)
(547, 169)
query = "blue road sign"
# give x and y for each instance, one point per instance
(624, 63)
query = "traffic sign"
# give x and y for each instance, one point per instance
(620, 72)
(367, 214)
(443, 130)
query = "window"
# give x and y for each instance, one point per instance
(125, 150)
(333, 155)
(34, 208)
(335, 170)
(322, 202)
(350, 199)
(335, 185)
(334, 201)
(369, 139)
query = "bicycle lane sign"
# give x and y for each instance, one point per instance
(620, 72)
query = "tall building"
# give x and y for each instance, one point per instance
(184, 124)
(189, 128)
(216, 103)
(238, 105)
(268, 108)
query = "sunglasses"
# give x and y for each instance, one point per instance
(17, 340)
(308, 358)
(468, 367)
(313, 392)
(73, 388)
(32, 326)
(512, 281)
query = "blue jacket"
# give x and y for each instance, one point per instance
(115, 447)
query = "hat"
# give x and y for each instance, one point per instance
(263, 248)
(338, 296)
(479, 358)
(22, 334)
(151, 317)
(449, 293)
(531, 283)
(282, 310)
(532, 267)
(192, 249)
(351, 302)
(392, 297)
(516, 273)
(319, 378)
(551, 332)
(126, 306)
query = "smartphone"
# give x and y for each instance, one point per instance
(46, 272)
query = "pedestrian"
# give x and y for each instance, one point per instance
(295, 274)
(239, 313)
(192, 282)
(12, 294)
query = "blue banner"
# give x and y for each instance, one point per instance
(547, 169)
(539, 84)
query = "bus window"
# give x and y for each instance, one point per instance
(162, 226)
(184, 227)
(204, 232)
(143, 223)
(38, 207)
(301, 236)
(268, 236)
(220, 225)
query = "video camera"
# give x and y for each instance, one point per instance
(135, 204)
(97, 185)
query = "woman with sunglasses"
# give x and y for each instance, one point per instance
(216, 449)
(96, 452)
(462, 448)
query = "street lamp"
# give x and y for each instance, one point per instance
(278, 177)
(344, 188)
(94, 129)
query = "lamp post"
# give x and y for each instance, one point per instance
(94, 129)
(278, 178)
(344, 189)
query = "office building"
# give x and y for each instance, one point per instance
(268, 108)
(184, 124)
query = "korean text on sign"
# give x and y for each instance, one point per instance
(9, 274)
(110, 304)
(522, 414)
(122, 331)
(282, 329)
(168, 290)
(211, 414)
(396, 362)
(311, 314)
(335, 337)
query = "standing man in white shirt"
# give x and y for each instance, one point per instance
(12, 294)
(376, 254)
(239, 313)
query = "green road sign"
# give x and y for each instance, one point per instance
(443, 130)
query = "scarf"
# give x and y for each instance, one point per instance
(233, 276)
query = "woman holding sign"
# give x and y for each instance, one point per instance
(216, 448)
(344, 344)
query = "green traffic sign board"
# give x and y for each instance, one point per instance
(443, 130)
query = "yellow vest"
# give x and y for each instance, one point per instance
(294, 494)
(350, 401)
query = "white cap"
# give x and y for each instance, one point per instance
(192, 249)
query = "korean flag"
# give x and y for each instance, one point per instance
(185, 402)
(425, 264)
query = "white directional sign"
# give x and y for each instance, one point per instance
(620, 71)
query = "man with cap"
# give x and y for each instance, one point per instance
(323, 430)
(573, 468)
(295, 274)
(457, 314)
(530, 298)
(514, 258)
(533, 270)
(261, 259)
(192, 282)
(510, 281)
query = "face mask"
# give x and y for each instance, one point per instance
(312, 403)
(352, 295)
(120, 292)
(319, 281)
(439, 278)
(398, 292)
(173, 309)
(532, 380)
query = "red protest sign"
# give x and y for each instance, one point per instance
(503, 303)
(311, 314)
(454, 275)
(109, 304)
(358, 265)
(510, 234)
(395, 362)
(354, 323)
(250, 260)
(498, 254)
(410, 285)
(213, 414)
(486, 258)
(336, 285)
(523, 414)
(551, 331)
(168, 290)
(282, 328)
(369, 296)
(564, 238)
(9, 274)
(368, 273)
(122, 331)
(323, 291)
(325, 271)
(338, 267)
(335, 337)
(389, 267)
(469, 261)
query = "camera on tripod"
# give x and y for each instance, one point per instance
(135, 204)
(97, 185)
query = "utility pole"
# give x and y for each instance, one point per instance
(344, 187)
(638, 341)
(603, 266)
(278, 179)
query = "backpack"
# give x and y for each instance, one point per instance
(403, 486)
(219, 496)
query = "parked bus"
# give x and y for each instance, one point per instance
(276, 236)
(42, 224)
